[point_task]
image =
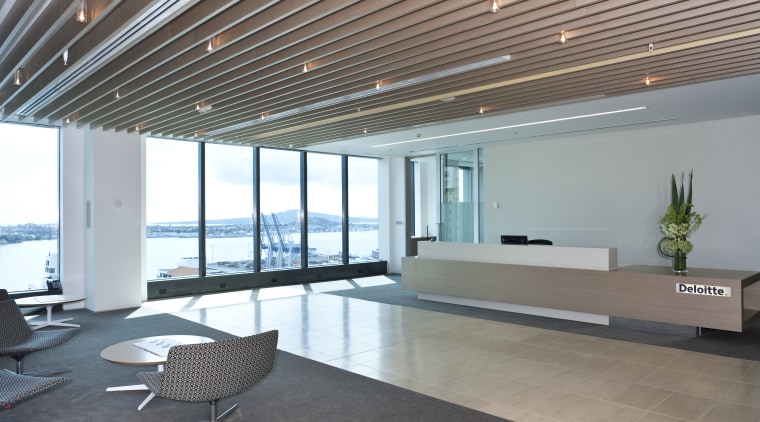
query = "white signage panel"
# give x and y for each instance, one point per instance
(704, 290)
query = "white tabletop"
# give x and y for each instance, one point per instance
(46, 300)
(126, 353)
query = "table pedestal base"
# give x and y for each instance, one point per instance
(51, 322)
(137, 387)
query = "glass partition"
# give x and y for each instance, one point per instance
(457, 197)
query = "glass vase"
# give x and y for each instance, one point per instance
(679, 262)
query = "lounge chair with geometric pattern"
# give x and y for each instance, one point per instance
(15, 387)
(213, 371)
(17, 339)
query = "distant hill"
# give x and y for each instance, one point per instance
(285, 217)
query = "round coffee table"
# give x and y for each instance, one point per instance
(136, 352)
(49, 301)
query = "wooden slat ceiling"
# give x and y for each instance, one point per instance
(292, 74)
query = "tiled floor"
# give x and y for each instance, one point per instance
(516, 372)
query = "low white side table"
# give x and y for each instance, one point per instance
(49, 301)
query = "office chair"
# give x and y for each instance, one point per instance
(19, 387)
(17, 339)
(213, 371)
(540, 242)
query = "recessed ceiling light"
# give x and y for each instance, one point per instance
(494, 7)
(82, 12)
(17, 78)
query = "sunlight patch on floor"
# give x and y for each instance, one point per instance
(281, 292)
(156, 307)
(377, 280)
(222, 299)
(331, 286)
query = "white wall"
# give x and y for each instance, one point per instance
(609, 189)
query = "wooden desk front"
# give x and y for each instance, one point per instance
(637, 291)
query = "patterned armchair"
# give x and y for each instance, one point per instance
(213, 371)
(18, 340)
(19, 387)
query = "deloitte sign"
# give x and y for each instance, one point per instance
(698, 289)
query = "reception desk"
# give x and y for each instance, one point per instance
(582, 284)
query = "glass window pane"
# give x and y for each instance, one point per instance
(325, 209)
(229, 209)
(280, 198)
(171, 209)
(362, 210)
(29, 214)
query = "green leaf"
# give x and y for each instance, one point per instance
(687, 211)
(674, 193)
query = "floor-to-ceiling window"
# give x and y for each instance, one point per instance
(171, 208)
(324, 208)
(362, 209)
(29, 210)
(280, 198)
(230, 216)
(228, 181)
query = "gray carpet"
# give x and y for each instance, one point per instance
(744, 345)
(298, 389)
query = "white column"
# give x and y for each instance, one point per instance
(102, 212)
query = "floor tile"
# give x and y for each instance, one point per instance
(521, 373)
(684, 406)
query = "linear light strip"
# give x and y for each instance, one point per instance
(366, 93)
(509, 82)
(562, 132)
(561, 119)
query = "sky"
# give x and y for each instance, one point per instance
(172, 193)
(29, 158)
(28, 171)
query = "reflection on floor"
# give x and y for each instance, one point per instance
(516, 372)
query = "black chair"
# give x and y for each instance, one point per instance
(540, 242)
(4, 295)
(17, 387)
(17, 339)
(213, 371)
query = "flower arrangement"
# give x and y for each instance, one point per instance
(679, 222)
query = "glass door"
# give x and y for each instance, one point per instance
(459, 175)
